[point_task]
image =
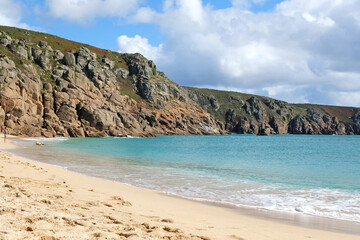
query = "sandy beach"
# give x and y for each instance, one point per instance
(41, 201)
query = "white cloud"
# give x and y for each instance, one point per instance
(138, 44)
(85, 11)
(292, 93)
(10, 14)
(345, 98)
(301, 51)
(143, 15)
(244, 4)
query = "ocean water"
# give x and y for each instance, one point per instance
(313, 175)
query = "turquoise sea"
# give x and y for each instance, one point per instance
(314, 175)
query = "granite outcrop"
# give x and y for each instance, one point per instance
(47, 92)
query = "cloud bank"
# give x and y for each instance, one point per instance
(85, 11)
(302, 51)
(10, 14)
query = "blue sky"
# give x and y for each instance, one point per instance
(103, 31)
(294, 50)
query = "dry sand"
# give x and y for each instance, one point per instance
(41, 201)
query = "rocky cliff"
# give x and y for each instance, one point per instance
(50, 87)
(244, 113)
(54, 87)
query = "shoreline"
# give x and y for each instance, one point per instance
(287, 217)
(170, 215)
(294, 219)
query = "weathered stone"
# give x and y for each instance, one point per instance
(279, 126)
(74, 131)
(41, 58)
(101, 119)
(48, 87)
(84, 56)
(6, 63)
(238, 100)
(326, 118)
(36, 53)
(47, 133)
(123, 73)
(58, 55)
(356, 117)
(138, 65)
(67, 112)
(69, 59)
(110, 64)
(60, 98)
(315, 114)
(145, 89)
(230, 116)
(42, 44)
(299, 125)
(254, 107)
(19, 50)
(214, 103)
(2, 115)
(128, 120)
(243, 126)
(5, 40)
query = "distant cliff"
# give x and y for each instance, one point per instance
(50, 87)
(245, 113)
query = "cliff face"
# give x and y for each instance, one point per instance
(53, 87)
(244, 113)
(50, 86)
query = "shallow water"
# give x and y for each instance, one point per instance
(316, 175)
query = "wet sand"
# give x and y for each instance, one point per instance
(41, 201)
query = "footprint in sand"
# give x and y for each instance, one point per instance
(167, 221)
(29, 220)
(29, 229)
(148, 228)
(236, 237)
(128, 235)
(108, 205)
(114, 220)
(121, 201)
(46, 201)
(172, 230)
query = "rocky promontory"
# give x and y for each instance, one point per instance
(250, 114)
(50, 87)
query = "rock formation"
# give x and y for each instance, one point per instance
(54, 87)
(78, 93)
(249, 114)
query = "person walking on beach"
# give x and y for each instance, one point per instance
(6, 133)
